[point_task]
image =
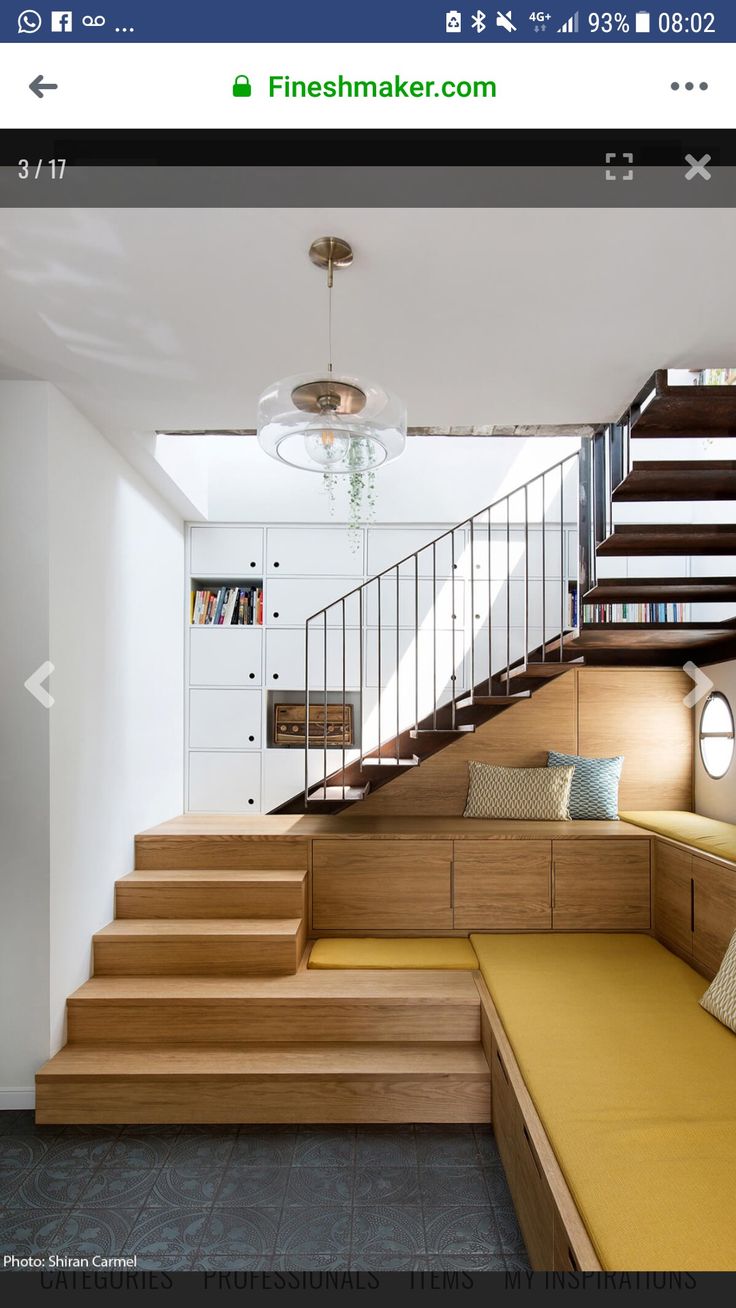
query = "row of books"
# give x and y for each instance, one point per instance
(572, 609)
(228, 606)
(635, 613)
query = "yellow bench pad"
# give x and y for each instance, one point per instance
(691, 828)
(454, 954)
(636, 1087)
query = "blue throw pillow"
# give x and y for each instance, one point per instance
(594, 789)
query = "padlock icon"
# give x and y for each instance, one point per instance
(241, 85)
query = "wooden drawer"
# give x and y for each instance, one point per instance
(714, 912)
(673, 897)
(600, 885)
(365, 885)
(564, 1256)
(503, 1113)
(503, 885)
(535, 1207)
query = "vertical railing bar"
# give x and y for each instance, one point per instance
(343, 698)
(434, 634)
(398, 664)
(324, 724)
(453, 677)
(526, 576)
(563, 587)
(306, 715)
(544, 569)
(360, 673)
(380, 668)
(490, 609)
(508, 595)
(472, 609)
(416, 642)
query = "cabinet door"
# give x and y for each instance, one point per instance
(307, 551)
(714, 912)
(285, 662)
(381, 884)
(503, 885)
(225, 656)
(672, 897)
(225, 719)
(289, 602)
(227, 552)
(600, 885)
(533, 1199)
(503, 1113)
(224, 782)
(387, 546)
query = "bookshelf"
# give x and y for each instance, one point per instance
(226, 602)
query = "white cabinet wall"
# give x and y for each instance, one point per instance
(230, 670)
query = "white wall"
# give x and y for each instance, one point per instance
(717, 799)
(24, 741)
(117, 583)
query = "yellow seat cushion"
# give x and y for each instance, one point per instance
(454, 954)
(691, 828)
(636, 1087)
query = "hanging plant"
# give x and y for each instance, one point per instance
(361, 490)
(329, 480)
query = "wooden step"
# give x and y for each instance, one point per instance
(493, 701)
(193, 947)
(683, 480)
(459, 730)
(631, 539)
(265, 1083)
(654, 635)
(343, 1005)
(412, 762)
(551, 667)
(217, 841)
(686, 410)
(187, 893)
(663, 590)
(338, 794)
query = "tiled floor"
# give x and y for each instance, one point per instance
(254, 1197)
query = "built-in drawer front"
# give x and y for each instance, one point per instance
(227, 551)
(503, 1112)
(600, 885)
(305, 551)
(672, 897)
(286, 666)
(289, 602)
(420, 606)
(225, 782)
(503, 885)
(714, 912)
(225, 656)
(535, 1207)
(225, 719)
(381, 884)
(388, 546)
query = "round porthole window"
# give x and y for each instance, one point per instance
(716, 735)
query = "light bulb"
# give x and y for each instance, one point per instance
(326, 447)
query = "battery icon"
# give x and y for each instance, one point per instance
(642, 21)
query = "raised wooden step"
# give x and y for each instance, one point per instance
(684, 539)
(687, 410)
(412, 762)
(459, 730)
(338, 794)
(663, 590)
(188, 893)
(265, 1083)
(684, 480)
(493, 701)
(551, 667)
(654, 635)
(218, 841)
(345, 1005)
(207, 947)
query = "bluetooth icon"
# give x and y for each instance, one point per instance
(478, 21)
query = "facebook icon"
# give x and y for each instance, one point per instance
(61, 20)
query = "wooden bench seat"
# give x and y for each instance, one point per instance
(635, 1087)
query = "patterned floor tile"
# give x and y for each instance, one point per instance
(381, 1261)
(245, 1231)
(320, 1185)
(446, 1146)
(492, 1262)
(310, 1262)
(161, 1233)
(309, 1230)
(114, 1183)
(18, 1153)
(498, 1187)
(452, 1185)
(487, 1146)
(265, 1146)
(511, 1238)
(390, 1228)
(193, 1153)
(147, 1152)
(70, 1154)
(28, 1232)
(47, 1187)
(468, 1229)
(233, 1263)
(385, 1146)
(97, 1230)
(318, 1146)
(244, 1184)
(389, 1185)
(173, 1188)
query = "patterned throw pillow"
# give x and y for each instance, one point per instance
(531, 794)
(720, 997)
(594, 789)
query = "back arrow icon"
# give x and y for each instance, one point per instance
(38, 86)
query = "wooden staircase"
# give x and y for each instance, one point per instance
(201, 1009)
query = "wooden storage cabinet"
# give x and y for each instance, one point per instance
(503, 885)
(503, 1112)
(673, 897)
(535, 1207)
(366, 885)
(600, 885)
(714, 912)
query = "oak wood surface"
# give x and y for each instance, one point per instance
(672, 874)
(359, 885)
(714, 913)
(601, 888)
(503, 889)
(211, 894)
(209, 947)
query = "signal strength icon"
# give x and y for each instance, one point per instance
(572, 24)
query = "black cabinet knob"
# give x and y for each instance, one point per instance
(251, 801)
(275, 676)
(276, 615)
(276, 565)
(251, 739)
(252, 676)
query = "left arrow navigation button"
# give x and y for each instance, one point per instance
(38, 86)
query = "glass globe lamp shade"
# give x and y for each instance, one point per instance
(331, 424)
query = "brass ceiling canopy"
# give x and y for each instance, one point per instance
(328, 396)
(331, 252)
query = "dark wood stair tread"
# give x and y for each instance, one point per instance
(654, 635)
(683, 480)
(412, 762)
(666, 590)
(687, 411)
(685, 538)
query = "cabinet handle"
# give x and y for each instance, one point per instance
(535, 1160)
(554, 884)
(572, 1260)
(692, 904)
(503, 1069)
(452, 884)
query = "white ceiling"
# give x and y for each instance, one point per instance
(178, 318)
